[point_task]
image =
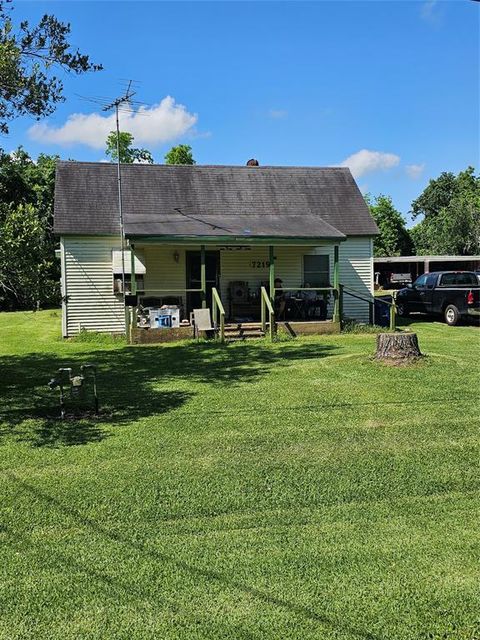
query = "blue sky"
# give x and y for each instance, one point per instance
(389, 88)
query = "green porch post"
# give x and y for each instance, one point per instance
(271, 261)
(336, 283)
(203, 276)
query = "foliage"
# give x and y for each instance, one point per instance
(27, 56)
(451, 209)
(181, 154)
(128, 154)
(352, 326)
(29, 271)
(394, 239)
(255, 490)
(96, 337)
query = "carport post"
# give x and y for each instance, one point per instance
(203, 276)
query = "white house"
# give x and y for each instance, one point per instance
(192, 230)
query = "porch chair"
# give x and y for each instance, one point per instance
(202, 321)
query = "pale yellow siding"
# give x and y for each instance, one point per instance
(163, 272)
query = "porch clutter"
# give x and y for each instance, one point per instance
(164, 317)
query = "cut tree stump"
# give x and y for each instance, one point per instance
(397, 346)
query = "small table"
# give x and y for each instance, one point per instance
(296, 307)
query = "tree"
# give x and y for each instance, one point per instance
(394, 238)
(27, 57)
(128, 154)
(29, 270)
(181, 154)
(450, 206)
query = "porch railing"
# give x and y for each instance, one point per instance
(371, 300)
(266, 304)
(218, 310)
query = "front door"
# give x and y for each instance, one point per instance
(212, 271)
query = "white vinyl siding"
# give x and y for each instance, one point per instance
(356, 271)
(88, 285)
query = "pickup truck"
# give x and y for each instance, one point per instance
(454, 295)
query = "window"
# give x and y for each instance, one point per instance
(458, 279)
(421, 281)
(431, 280)
(316, 271)
(466, 279)
(127, 264)
(448, 280)
(117, 283)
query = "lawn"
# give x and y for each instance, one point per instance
(294, 490)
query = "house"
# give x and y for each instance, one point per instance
(194, 231)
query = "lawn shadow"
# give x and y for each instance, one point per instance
(130, 380)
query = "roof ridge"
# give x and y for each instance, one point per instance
(203, 166)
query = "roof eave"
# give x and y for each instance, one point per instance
(240, 240)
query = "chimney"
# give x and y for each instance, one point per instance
(252, 163)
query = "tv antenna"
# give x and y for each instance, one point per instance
(124, 99)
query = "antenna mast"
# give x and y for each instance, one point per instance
(125, 98)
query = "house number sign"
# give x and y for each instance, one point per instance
(259, 264)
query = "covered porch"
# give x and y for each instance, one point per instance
(252, 284)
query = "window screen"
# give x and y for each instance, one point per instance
(316, 271)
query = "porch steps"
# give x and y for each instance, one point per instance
(239, 331)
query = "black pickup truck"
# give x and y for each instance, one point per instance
(455, 295)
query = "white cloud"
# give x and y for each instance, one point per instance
(278, 114)
(366, 161)
(428, 11)
(414, 171)
(363, 188)
(153, 125)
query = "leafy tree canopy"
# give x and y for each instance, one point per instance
(28, 54)
(451, 208)
(128, 154)
(29, 271)
(394, 239)
(181, 154)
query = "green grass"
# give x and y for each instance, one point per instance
(296, 490)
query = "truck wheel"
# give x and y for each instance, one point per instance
(451, 315)
(402, 310)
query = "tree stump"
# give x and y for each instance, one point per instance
(397, 346)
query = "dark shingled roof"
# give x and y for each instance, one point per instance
(304, 202)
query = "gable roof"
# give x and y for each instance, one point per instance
(202, 200)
